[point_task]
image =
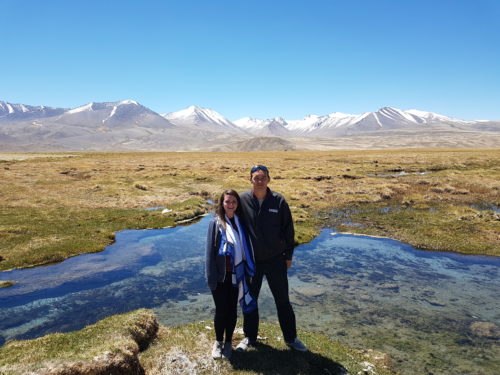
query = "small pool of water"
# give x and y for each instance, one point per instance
(432, 312)
(487, 207)
(155, 208)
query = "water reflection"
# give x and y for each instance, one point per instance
(432, 312)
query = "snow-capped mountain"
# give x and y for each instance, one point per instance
(94, 126)
(203, 119)
(128, 125)
(249, 123)
(434, 117)
(272, 127)
(253, 123)
(339, 124)
(123, 114)
(9, 111)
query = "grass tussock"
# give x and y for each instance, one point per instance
(110, 346)
(60, 205)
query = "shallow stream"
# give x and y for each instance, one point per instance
(432, 312)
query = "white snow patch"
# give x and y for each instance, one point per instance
(83, 108)
(113, 111)
(128, 102)
(378, 120)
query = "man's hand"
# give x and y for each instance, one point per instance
(288, 263)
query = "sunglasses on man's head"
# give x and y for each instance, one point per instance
(259, 167)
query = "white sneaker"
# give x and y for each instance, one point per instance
(244, 345)
(296, 344)
(217, 350)
(227, 350)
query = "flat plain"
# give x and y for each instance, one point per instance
(58, 205)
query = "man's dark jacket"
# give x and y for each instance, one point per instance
(270, 226)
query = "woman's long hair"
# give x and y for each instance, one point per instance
(221, 213)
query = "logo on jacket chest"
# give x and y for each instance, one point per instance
(273, 210)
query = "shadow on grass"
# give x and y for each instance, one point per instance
(265, 359)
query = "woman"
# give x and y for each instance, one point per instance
(229, 267)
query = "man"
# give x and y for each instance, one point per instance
(271, 231)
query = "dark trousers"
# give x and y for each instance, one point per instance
(277, 278)
(226, 301)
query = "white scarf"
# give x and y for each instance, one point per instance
(234, 244)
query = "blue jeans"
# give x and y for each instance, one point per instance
(277, 278)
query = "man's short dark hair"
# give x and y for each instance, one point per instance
(259, 167)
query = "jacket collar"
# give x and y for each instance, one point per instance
(268, 193)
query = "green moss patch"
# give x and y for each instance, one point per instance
(104, 347)
(438, 228)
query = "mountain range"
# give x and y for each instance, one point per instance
(128, 125)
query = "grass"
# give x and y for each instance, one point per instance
(34, 236)
(133, 341)
(188, 348)
(61, 205)
(107, 345)
(439, 228)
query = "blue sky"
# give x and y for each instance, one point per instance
(255, 58)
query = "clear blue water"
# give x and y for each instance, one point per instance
(432, 312)
(155, 208)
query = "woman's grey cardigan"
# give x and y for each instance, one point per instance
(215, 264)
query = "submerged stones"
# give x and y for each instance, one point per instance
(485, 329)
(309, 291)
(390, 286)
(303, 294)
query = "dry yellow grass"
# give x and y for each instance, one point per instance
(441, 192)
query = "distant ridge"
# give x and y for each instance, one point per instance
(341, 124)
(22, 111)
(128, 125)
(260, 144)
